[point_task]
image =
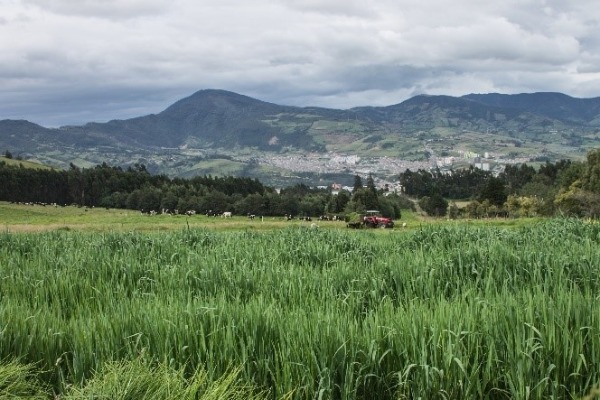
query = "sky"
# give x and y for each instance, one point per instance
(68, 62)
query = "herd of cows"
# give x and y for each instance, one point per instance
(189, 213)
(208, 213)
(229, 214)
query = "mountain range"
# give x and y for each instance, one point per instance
(224, 133)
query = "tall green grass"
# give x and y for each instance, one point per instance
(19, 381)
(447, 311)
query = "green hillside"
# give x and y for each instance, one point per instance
(24, 163)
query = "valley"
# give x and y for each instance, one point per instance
(220, 133)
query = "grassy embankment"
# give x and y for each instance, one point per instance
(439, 311)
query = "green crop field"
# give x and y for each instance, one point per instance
(193, 310)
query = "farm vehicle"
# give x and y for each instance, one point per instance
(371, 219)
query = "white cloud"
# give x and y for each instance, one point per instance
(333, 53)
(111, 9)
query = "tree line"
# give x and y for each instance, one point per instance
(135, 188)
(563, 188)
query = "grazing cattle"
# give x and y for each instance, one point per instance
(190, 212)
(226, 214)
(330, 218)
(251, 216)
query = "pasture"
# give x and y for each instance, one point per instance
(107, 305)
(17, 218)
(36, 218)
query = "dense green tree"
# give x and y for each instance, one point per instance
(464, 183)
(342, 198)
(169, 201)
(419, 183)
(133, 200)
(494, 191)
(578, 202)
(456, 184)
(149, 199)
(117, 200)
(515, 176)
(542, 188)
(76, 184)
(357, 184)
(590, 180)
(571, 175)
(298, 190)
(435, 205)
(453, 211)
(474, 209)
(371, 184)
(215, 201)
(354, 207)
(251, 204)
(290, 204)
(337, 203)
(389, 208)
(188, 203)
(552, 171)
(367, 198)
(312, 205)
(273, 204)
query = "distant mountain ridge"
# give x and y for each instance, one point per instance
(552, 123)
(209, 118)
(219, 117)
(549, 104)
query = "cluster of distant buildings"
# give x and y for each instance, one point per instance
(337, 187)
(483, 162)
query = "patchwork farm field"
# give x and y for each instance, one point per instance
(445, 310)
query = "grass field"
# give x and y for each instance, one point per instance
(27, 218)
(157, 309)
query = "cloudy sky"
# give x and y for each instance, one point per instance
(74, 61)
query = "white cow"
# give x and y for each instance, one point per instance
(226, 214)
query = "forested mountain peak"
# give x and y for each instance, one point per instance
(209, 101)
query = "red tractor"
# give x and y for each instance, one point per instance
(373, 219)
